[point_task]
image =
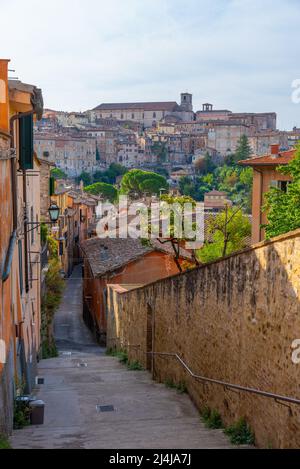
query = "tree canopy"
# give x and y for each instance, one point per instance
(58, 173)
(283, 207)
(137, 182)
(101, 188)
(85, 177)
(227, 232)
(109, 175)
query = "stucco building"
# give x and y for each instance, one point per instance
(19, 242)
(265, 175)
(118, 261)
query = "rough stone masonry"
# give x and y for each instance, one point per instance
(232, 320)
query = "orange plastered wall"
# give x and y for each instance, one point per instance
(4, 125)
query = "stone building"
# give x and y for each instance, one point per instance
(147, 113)
(260, 141)
(257, 121)
(72, 154)
(224, 136)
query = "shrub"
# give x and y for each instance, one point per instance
(21, 414)
(135, 365)
(4, 443)
(180, 387)
(120, 354)
(211, 418)
(50, 301)
(240, 433)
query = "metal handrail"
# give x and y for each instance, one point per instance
(277, 397)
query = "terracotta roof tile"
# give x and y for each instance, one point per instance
(284, 157)
(108, 255)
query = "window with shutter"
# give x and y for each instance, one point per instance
(26, 142)
(51, 185)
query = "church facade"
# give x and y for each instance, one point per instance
(147, 113)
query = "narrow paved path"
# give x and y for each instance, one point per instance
(146, 414)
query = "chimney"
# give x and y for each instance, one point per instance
(274, 150)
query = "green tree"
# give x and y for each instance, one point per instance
(174, 239)
(137, 182)
(205, 165)
(109, 175)
(85, 177)
(103, 189)
(228, 232)
(283, 208)
(58, 173)
(243, 150)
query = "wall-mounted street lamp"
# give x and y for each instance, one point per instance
(53, 211)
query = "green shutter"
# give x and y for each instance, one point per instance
(51, 185)
(26, 142)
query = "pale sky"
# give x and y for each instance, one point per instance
(240, 55)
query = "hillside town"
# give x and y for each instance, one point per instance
(152, 134)
(204, 324)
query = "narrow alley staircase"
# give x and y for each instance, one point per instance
(93, 401)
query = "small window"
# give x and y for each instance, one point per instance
(154, 115)
(122, 116)
(132, 116)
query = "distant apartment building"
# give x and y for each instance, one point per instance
(260, 142)
(258, 121)
(129, 152)
(146, 113)
(216, 201)
(293, 137)
(224, 136)
(71, 154)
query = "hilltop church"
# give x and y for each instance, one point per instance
(148, 113)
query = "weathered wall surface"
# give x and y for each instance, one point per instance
(233, 320)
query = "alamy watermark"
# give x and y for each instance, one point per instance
(296, 93)
(158, 219)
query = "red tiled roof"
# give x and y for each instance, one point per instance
(284, 157)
